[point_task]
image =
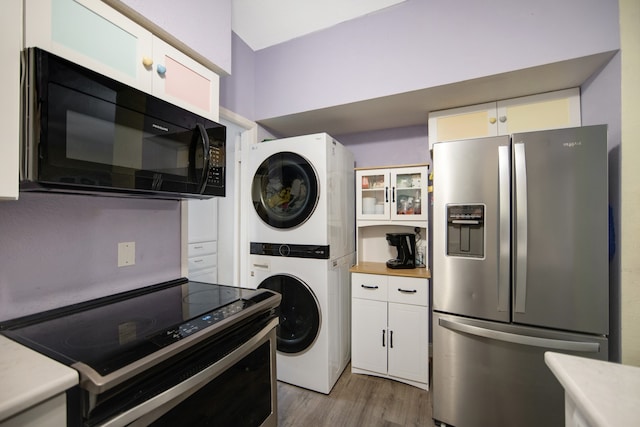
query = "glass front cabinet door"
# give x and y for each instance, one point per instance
(392, 194)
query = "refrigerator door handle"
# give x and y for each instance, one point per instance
(521, 228)
(504, 228)
(563, 345)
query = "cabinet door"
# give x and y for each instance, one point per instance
(408, 190)
(408, 342)
(203, 220)
(373, 194)
(551, 110)
(182, 81)
(462, 123)
(10, 46)
(369, 335)
(90, 33)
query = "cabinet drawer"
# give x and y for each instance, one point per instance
(409, 290)
(369, 286)
(201, 262)
(209, 275)
(202, 248)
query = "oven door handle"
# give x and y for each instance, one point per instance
(157, 406)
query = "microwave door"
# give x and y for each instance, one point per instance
(200, 158)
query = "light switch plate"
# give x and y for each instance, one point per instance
(126, 254)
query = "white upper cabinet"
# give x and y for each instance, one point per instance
(393, 194)
(10, 46)
(550, 110)
(92, 34)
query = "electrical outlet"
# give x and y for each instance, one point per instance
(126, 254)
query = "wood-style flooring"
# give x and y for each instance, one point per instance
(356, 400)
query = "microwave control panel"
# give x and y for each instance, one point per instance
(216, 166)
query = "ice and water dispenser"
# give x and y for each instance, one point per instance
(465, 230)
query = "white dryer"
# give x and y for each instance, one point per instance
(302, 191)
(314, 336)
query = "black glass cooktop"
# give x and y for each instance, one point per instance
(110, 333)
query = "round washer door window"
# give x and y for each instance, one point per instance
(299, 313)
(285, 190)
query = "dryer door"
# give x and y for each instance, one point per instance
(299, 313)
(285, 190)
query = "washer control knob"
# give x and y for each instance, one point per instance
(284, 250)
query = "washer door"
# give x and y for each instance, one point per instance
(285, 190)
(299, 313)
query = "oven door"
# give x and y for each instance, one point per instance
(240, 390)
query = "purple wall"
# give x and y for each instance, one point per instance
(389, 147)
(419, 44)
(237, 91)
(62, 249)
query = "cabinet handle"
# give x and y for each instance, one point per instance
(162, 70)
(369, 286)
(386, 194)
(198, 260)
(407, 291)
(383, 331)
(393, 194)
(503, 119)
(390, 339)
(198, 247)
(147, 62)
(492, 120)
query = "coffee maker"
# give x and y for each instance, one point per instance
(405, 243)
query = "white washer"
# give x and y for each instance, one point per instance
(314, 335)
(302, 191)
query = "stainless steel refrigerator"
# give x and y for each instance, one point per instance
(520, 267)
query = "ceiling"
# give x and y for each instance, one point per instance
(264, 23)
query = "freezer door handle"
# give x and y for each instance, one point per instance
(504, 246)
(521, 228)
(563, 345)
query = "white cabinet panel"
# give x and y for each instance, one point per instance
(390, 339)
(369, 330)
(92, 34)
(551, 110)
(408, 342)
(369, 286)
(10, 47)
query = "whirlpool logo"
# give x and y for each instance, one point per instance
(572, 144)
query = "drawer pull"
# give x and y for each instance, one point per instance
(370, 286)
(198, 260)
(407, 291)
(198, 247)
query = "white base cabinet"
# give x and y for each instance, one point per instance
(202, 255)
(390, 328)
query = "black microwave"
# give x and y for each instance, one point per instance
(83, 132)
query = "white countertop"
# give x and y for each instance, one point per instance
(605, 393)
(29, 378)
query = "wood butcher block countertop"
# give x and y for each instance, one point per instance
(381, 268)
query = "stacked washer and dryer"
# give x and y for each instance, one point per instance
(302, 244)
